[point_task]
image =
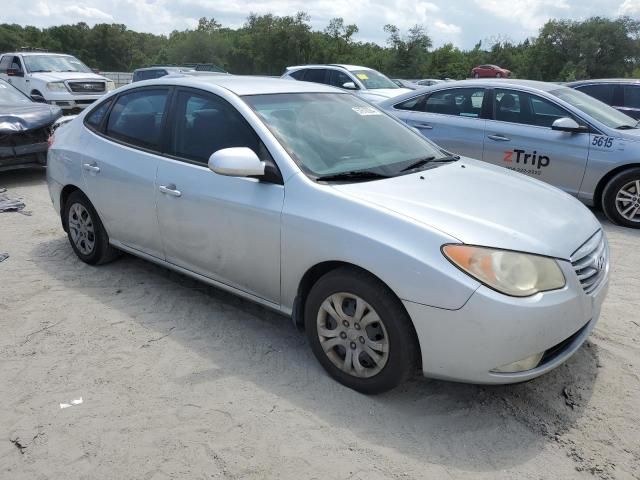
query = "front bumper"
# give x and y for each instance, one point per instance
(23, 156)
(492, 330)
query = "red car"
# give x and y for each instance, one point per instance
(490, 71)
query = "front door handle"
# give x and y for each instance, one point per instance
(91, 167)
(424, 126)
(498, 137)
(170, 190)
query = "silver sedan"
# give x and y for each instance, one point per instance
(394, 255)
(544, 130)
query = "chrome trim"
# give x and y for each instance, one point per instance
(591, 262)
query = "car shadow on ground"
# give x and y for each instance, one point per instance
(467, 426)
(23, 177)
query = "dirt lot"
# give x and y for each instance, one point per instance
(180, 380)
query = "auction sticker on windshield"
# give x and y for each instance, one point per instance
(366, 111)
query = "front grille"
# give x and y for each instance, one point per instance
(591, 262)
(87, 87)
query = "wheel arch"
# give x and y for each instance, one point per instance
(602, 183)
(314, 273)
(64, 194)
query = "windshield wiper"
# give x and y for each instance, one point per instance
(39, 71)
(626, 127)
(432, 159)
(352, 175)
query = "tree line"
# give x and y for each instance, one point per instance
(563, 50)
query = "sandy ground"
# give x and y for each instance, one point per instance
(180, 380)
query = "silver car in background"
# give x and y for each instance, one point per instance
(365, 82)
(549, 132)
(394, 255)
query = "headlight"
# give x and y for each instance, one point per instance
(56, 86)
(110, 85)
(511, 273)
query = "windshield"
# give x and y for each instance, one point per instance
(332, 133)
(10, 95)
(602, 112)
(373, 80)
(54, 63)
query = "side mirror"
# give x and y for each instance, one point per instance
(14, 72)
(236, 162)
(349, 86)
(38, 98)
(567, 124)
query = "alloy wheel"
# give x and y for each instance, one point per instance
(81, 229)
(352, 335)
(628, 201)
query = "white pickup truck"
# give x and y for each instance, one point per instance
(54, 78)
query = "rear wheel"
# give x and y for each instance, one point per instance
(360, 332)
(621, 198)
(85, 231)
(476, 75)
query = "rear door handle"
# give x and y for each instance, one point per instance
(91, 167)
(170, 190)
(498, 137)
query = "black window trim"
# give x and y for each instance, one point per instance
(163, 128)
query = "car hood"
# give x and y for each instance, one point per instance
(28, 116)
(61, 76)
(482, 204)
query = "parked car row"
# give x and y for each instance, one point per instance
(394, 254)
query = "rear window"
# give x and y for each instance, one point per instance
(94, 119)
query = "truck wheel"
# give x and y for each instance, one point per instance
(621, 198)
(86, 233)
(359, 331)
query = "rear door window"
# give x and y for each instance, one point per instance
(460, 102)
(298, 74)
(137, 117)
(415, 104)
(603, 92)
(316, 75)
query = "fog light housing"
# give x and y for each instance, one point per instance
(521, 365)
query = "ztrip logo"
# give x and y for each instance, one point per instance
(521, 156)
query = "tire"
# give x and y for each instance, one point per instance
(476, 75)
(498, 75)
(85, 231)
(388, 328)
(621, 198)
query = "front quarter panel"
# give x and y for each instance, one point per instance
(603, 159)
(321, 224)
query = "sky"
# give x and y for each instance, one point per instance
(461, 22)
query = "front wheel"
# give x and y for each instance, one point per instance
(476, 75)
(498, 75)
(359, 331)
(621, 198)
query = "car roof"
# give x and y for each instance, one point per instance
(531, 85)
(245, 85)
(604, 80)
(325, 65)
(171, 68)
(28, 54)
